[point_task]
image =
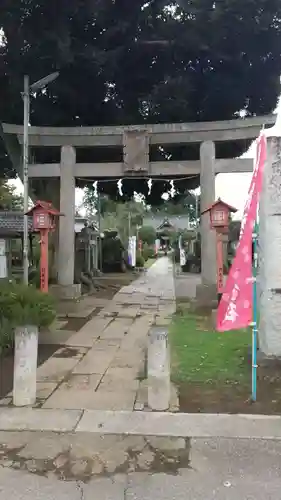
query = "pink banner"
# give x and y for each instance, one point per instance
(235, 308)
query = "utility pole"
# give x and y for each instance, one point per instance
(129, 224)
(99, 222)
(27, 89)
(26, 105)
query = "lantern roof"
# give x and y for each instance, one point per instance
(46, 206)
(220, 202)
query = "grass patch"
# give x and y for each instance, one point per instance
(200, 354)
(149, 263)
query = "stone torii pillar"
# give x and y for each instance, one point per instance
(66, 257)
(206, 293)
(270, 248)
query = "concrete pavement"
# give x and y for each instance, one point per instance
(101, 367)
(218, 470)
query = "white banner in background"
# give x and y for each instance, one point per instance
(132, 247)
(157, 246)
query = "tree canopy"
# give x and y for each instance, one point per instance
(9, 199)
(141, 61)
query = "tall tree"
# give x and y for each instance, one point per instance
(9, 198)
(128, 62)
(186, 204)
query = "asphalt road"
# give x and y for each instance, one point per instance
(220, 470)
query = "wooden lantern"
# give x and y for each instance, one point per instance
(219, 220)
(219, 214)
(44, 216)
(44, 220)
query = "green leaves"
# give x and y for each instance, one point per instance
(9, 200)
(22, 305)
(130, 62)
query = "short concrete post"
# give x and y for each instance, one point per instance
(25, 365)
(158, 368)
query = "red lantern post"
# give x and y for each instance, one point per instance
(219, 220)
(44, 220)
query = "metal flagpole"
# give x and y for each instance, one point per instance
(255, 315)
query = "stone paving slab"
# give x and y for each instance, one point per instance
(96, 361)
(89, 333)
(55, 337)
(32, 419)
(111, 382)
(125, 374)
(45, 389)
(83, 312)
(129, 312)
(76, 393)
(55, 369)
(95, 326)
(128, 359)
(72, 399)
(117, 328)
(104, 344)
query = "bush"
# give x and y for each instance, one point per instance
(148, 252)
(147, 234)
(6, 334)
(22, 305)
(139, 259)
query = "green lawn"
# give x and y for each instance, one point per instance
(200, 354)
(149, 263)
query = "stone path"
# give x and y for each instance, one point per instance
(102, 366)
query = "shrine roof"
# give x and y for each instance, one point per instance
(159, 222)
(11, 224)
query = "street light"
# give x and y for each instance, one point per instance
(28, 89)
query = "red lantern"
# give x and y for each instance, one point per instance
(219, 214)
(219, 220)
(44, 220)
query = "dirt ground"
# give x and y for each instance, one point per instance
(235, 398)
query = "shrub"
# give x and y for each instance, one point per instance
(139, 259)
(6, 334)
(22, 305)
(148, 252)
(147, 234)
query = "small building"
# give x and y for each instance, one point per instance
(11, 241)
(167, 226)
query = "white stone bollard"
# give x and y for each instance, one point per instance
(158, 370)
(25, 365)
